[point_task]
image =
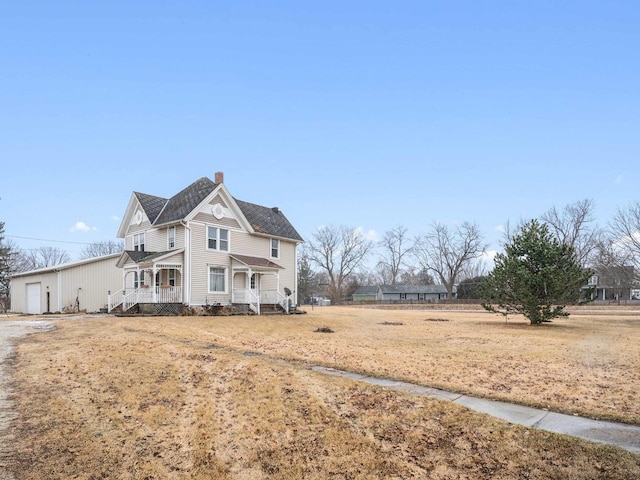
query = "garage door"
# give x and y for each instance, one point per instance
(33, 298)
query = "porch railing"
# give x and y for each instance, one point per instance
(248, 297)
(274, 297)
(114, 299)
(128, 298)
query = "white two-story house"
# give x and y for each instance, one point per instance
(203, 247)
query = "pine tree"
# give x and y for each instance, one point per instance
(536, 276)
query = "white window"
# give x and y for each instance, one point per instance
(217, 280)
(217, 239)
(593, 280)
(138, 281)
(171, 237)
(275, 248)
(138, 242)
(172, 277)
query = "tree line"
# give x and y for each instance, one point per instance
(333, 261)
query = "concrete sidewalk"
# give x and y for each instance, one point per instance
(618, 434)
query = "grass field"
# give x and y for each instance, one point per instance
(233, 397)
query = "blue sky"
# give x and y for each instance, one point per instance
(368, 114)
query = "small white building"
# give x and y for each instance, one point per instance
(76, 286)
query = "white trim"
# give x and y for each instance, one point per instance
(186, 269)
(279, 247)
(225, 277)
(144, 241)
(221, 190)
(217, 239)
(169, 229)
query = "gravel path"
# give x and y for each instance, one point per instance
(10, 330)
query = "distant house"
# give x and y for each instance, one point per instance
(401, 292)
(614, 283)
(73, 286)
(365, 293)
(204, 247)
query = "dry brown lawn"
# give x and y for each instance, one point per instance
(233, 397)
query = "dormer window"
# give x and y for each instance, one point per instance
(171, 237)
(275, 248)
(138, 242)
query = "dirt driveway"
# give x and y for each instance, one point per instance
(10, 330)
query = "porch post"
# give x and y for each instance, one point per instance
(153, 283)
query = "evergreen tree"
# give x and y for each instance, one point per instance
(469, 288)
(536, 276)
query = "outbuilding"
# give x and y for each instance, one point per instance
(83, 285)
(398, 293)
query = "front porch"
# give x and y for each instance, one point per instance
(156, 278)
(164, 300)
(126, 299)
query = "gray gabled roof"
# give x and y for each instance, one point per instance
(265, 220)
(270, 221)
(183, 202)
(151, 205)
(366, 290)
(138, 256)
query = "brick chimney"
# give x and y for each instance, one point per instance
(219, 178)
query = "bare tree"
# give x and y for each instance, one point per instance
(44, 257)
(308, 280)
(5, 270)
(614, 268)
(12, 261)
(625, 230)
(574, 226)
(395, 248)
(19, 260)
(338, 251)
(98, 249)
(416, 276)
(446, 251)
(475, 268)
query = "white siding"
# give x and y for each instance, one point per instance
(242, 243)
(201, 260)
